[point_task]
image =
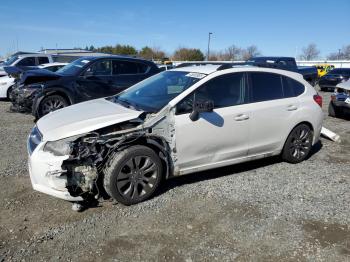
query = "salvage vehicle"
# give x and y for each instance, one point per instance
(177, 122)
(17, 93)
(330, 80)
(339, 105)
(8, 82)
(323, 69)
(84, 79)
(25, 60)
(309, 73)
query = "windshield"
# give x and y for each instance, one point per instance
(74, 67)
(10, 60)
(154, 93)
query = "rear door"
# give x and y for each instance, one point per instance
(273, 112)
(127, 73)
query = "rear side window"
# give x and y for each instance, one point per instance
(43, 60)
(292, 87)
(28, 61)
(128, 68)
(265, 86)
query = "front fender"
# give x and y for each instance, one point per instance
(44, 93)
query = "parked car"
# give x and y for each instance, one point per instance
(339, 105)
(323, 69)
(84, 79)
(177, 122)
(25, 60)
(15, 92)
(309, 73)
(333, 78)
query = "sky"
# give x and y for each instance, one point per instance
(276, 27)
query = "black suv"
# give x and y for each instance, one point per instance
(84, 79)
(334, 77)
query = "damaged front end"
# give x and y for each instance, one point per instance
(22, 97)
(84, 157)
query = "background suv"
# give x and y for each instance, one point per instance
(84, 79)
(177, 122)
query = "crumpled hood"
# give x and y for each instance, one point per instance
(38, 75)
(82, 118)
(344, 85)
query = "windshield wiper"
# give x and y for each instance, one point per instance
(127, 103)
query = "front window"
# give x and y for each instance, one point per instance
(75, 67)
(157, 91)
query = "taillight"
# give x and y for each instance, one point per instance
(318, 100)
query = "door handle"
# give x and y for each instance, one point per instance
(292, 108)
(241, 117)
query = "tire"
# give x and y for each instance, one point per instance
(129, 174)
(8, 93)
(332, 111)
(51, 103)
(298, 144)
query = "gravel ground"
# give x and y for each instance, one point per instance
(265, 210)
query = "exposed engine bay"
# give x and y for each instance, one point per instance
(91, 152)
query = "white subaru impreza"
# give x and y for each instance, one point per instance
(177, 122)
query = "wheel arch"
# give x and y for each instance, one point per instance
(60, 92)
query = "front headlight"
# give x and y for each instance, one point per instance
(29, 91)
(61, 147)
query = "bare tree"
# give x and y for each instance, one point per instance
(310, 52)
(250, 52)
(342, 54)
(231, 53)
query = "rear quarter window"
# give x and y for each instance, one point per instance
(292, 87)
(265, 86)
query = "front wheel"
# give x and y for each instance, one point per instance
(51, 103)
(298, 144)
(133, 175)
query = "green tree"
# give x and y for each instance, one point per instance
(151, 53)
(188, 54)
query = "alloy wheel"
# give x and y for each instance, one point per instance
(137, 177)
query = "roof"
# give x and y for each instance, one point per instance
(130, 58)
(208, 69)
(52, 64)
(203, 69)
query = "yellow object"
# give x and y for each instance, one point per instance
(323, 69)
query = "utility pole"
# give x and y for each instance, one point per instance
(208, 45)
(339, 54)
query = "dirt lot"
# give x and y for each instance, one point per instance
(261, 211)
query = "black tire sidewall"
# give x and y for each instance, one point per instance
(117, 162)
(332, 110)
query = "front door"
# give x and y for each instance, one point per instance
(217, 137)
(96, 81)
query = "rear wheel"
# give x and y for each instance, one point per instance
(298, 144)
(52, 103)
(133, 175)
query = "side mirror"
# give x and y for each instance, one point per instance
(199, 107)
